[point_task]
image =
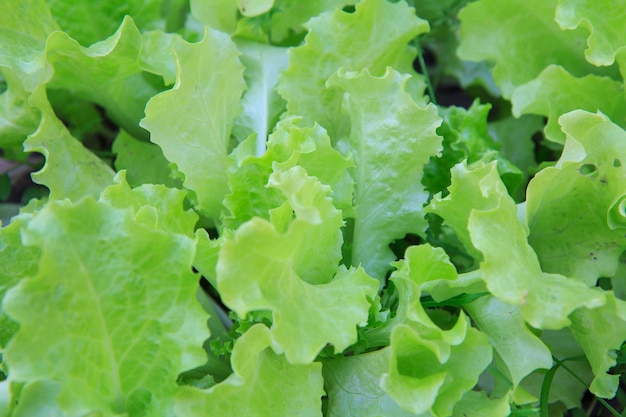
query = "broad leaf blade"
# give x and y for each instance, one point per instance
(391, 139)
(89, 22)
(574, 209)
(109, 73)
(71, 170)
(352, 41)
(192, 122)
(487, 221)
(498, 31)
(262, 268)
(555, 92)
(353, 386)
(108, 299)
(263, 384)
(605, 22)
(262, 105)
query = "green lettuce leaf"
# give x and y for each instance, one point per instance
(466, 137)
(485, 218)
(109, 73)
(352, 41)
(289, 17)
(477, 404)
(391, 139)
(289, 145)
(353, 386)
(218, 14)
(158, 206)
(555, 92)
(24, 261)
(197, 114)
(89, 22)
(114, 344)
(423, 264)
(280, 269)
(514, 135)
(565, 388)
(427, 370)
(605, 23)
(157, 56)
(24, 27)
(207, 252)
(263, 384)
(521, 351)
(71, 170)
(262, 105)
(589, 327)
(575, 210)
(143, 161)
(498, 31)
(432, 374)
(36, 399)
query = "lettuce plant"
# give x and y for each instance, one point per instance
(268, 208)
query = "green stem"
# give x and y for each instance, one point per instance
(420, 58)
(544, 397)
(547, 382)
(600, 400)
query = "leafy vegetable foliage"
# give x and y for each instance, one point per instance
(253, 208)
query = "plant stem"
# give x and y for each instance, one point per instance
(420, 58)
(575, 375)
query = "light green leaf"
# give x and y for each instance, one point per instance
(158, 206)
(444, 289)
(463, 187)
(117, 319)
(497, 31)
(24, 27)
(143, 161)
(262, 105)
(251, 8)
(477, 404)
(23, 264)
(262, 268)
(433, 374)
(574, 209)
(565, 387)
(108, 73)
(29, 17)
(38, 399)
(422, 263)
(288, 146)
(485, 217)
(514, 135)
(555, 92)
(157, 56)
(89, 22)
(375, 36)
(589, 327)
(192, 122)
(605, 22)
(466, 137)
(217, 14)
(263, 384)
(391, 139)
(71, 171)
(5, 398)
(521, 351)
(291, 15)
(207, 252)
(353, 386)
(17, 118)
